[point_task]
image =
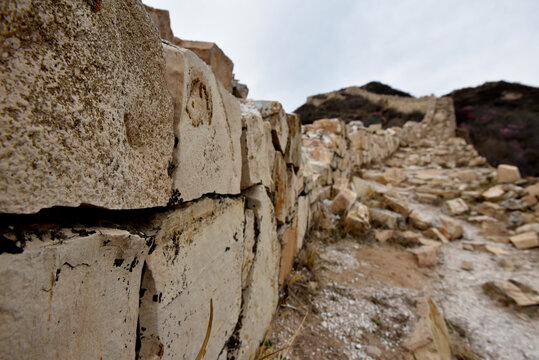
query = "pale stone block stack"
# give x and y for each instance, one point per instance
(118, 119)
(212, 195)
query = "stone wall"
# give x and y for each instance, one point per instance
(140, 201)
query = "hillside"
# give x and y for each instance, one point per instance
(501, 120)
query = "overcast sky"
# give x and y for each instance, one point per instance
(287, 50)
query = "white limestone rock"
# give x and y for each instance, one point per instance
(257, 149)
(198, 258)
(261, 296)
(293, 149)
(207, 126)
(85, 116)
(72, 299)
(273, 112)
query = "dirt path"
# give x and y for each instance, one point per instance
(358, 298)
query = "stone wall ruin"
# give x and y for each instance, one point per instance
(136, 190)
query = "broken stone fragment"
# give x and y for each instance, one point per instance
(436, 234)
(273, 112)
(203, 238)
(450, 228)
(387, 219)
(293, 148)
(457, 206)
(419, 220)
(466, 265)
(289, 248)
(525, 240)
(426, 255)
(357, 219)
(257, 149)
(280, 183)
(77, 298)
(495, 193)
(397, 205)
(508, 174)
(344, 199)
(207, 125)
(521, 294)
(383, 235)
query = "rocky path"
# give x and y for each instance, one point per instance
(430, 223)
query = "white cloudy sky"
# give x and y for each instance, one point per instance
(286, 50)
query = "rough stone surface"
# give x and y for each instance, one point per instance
(495, 193)
(386, 218)
(72, 299)
(257, 150)
(420, 220)
(457, 206)
(289, 248)
(426, 256)
(280, 183)
(397, 205)
(261, 296)
(303, 219)
(273, 112)
(508, 174)
(249, 240)
(85, 117)
(203, 238)
(207, 153)
(293, 148)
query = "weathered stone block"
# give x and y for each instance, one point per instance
(289, 249)
(249, 240)
(85, 117)
(526, 240)
(191, 244)
(77, 298)
(220, 64)
(397, 205)
(450, 228)
(293, 148)
(387, 219)
(508, 174)
(280, 183)
(426, 255)
(207, 125)
(273, 112)
(257, 149)
(495, 193)
(342, 202)
(357, 220)
(261, 296)
(303, 216)
(161, 19)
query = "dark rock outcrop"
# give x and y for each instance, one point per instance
(352, 103)
(501, 120)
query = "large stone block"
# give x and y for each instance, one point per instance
(257, 149)
(303, 217)
(85, 116)
(273, 112)
(72, 299)
(281, 187)
(161, 19)
(289, 249)
(261, 296)
(508, 174)
(211, 54)
(207, 121)
(198, 258)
